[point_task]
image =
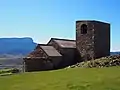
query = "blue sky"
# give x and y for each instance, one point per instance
(43, 19)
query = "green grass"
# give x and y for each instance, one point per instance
(65, 79)
(5, 71)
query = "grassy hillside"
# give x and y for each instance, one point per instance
(66, 79)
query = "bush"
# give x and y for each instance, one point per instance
(7, 71)
(15, 70)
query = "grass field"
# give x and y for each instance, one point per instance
(64, 79)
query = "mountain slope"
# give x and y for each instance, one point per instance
(16, 45)
(114, 53)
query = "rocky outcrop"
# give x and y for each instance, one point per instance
(108, 61)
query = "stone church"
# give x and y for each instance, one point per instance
(92, 41)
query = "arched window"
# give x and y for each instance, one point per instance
(83, 29)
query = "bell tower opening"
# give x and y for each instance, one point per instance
(83, 29)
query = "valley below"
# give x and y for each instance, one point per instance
(6, 63)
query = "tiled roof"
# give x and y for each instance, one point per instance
(50, 51)
(64, 43)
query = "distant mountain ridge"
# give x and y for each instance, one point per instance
(20, 46)
(16, 46)
(115, 53)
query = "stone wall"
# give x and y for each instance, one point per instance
(56, 61)
(38, 52)
(68, 54)
(95, 43)
(102, 39)
(37, 64)
(85, 42)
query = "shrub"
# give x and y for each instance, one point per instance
(15, 70)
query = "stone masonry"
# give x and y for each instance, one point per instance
(92, 42)
(92, 39)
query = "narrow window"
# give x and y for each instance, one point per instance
(83, 29)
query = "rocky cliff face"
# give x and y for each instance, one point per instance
(16, 45)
